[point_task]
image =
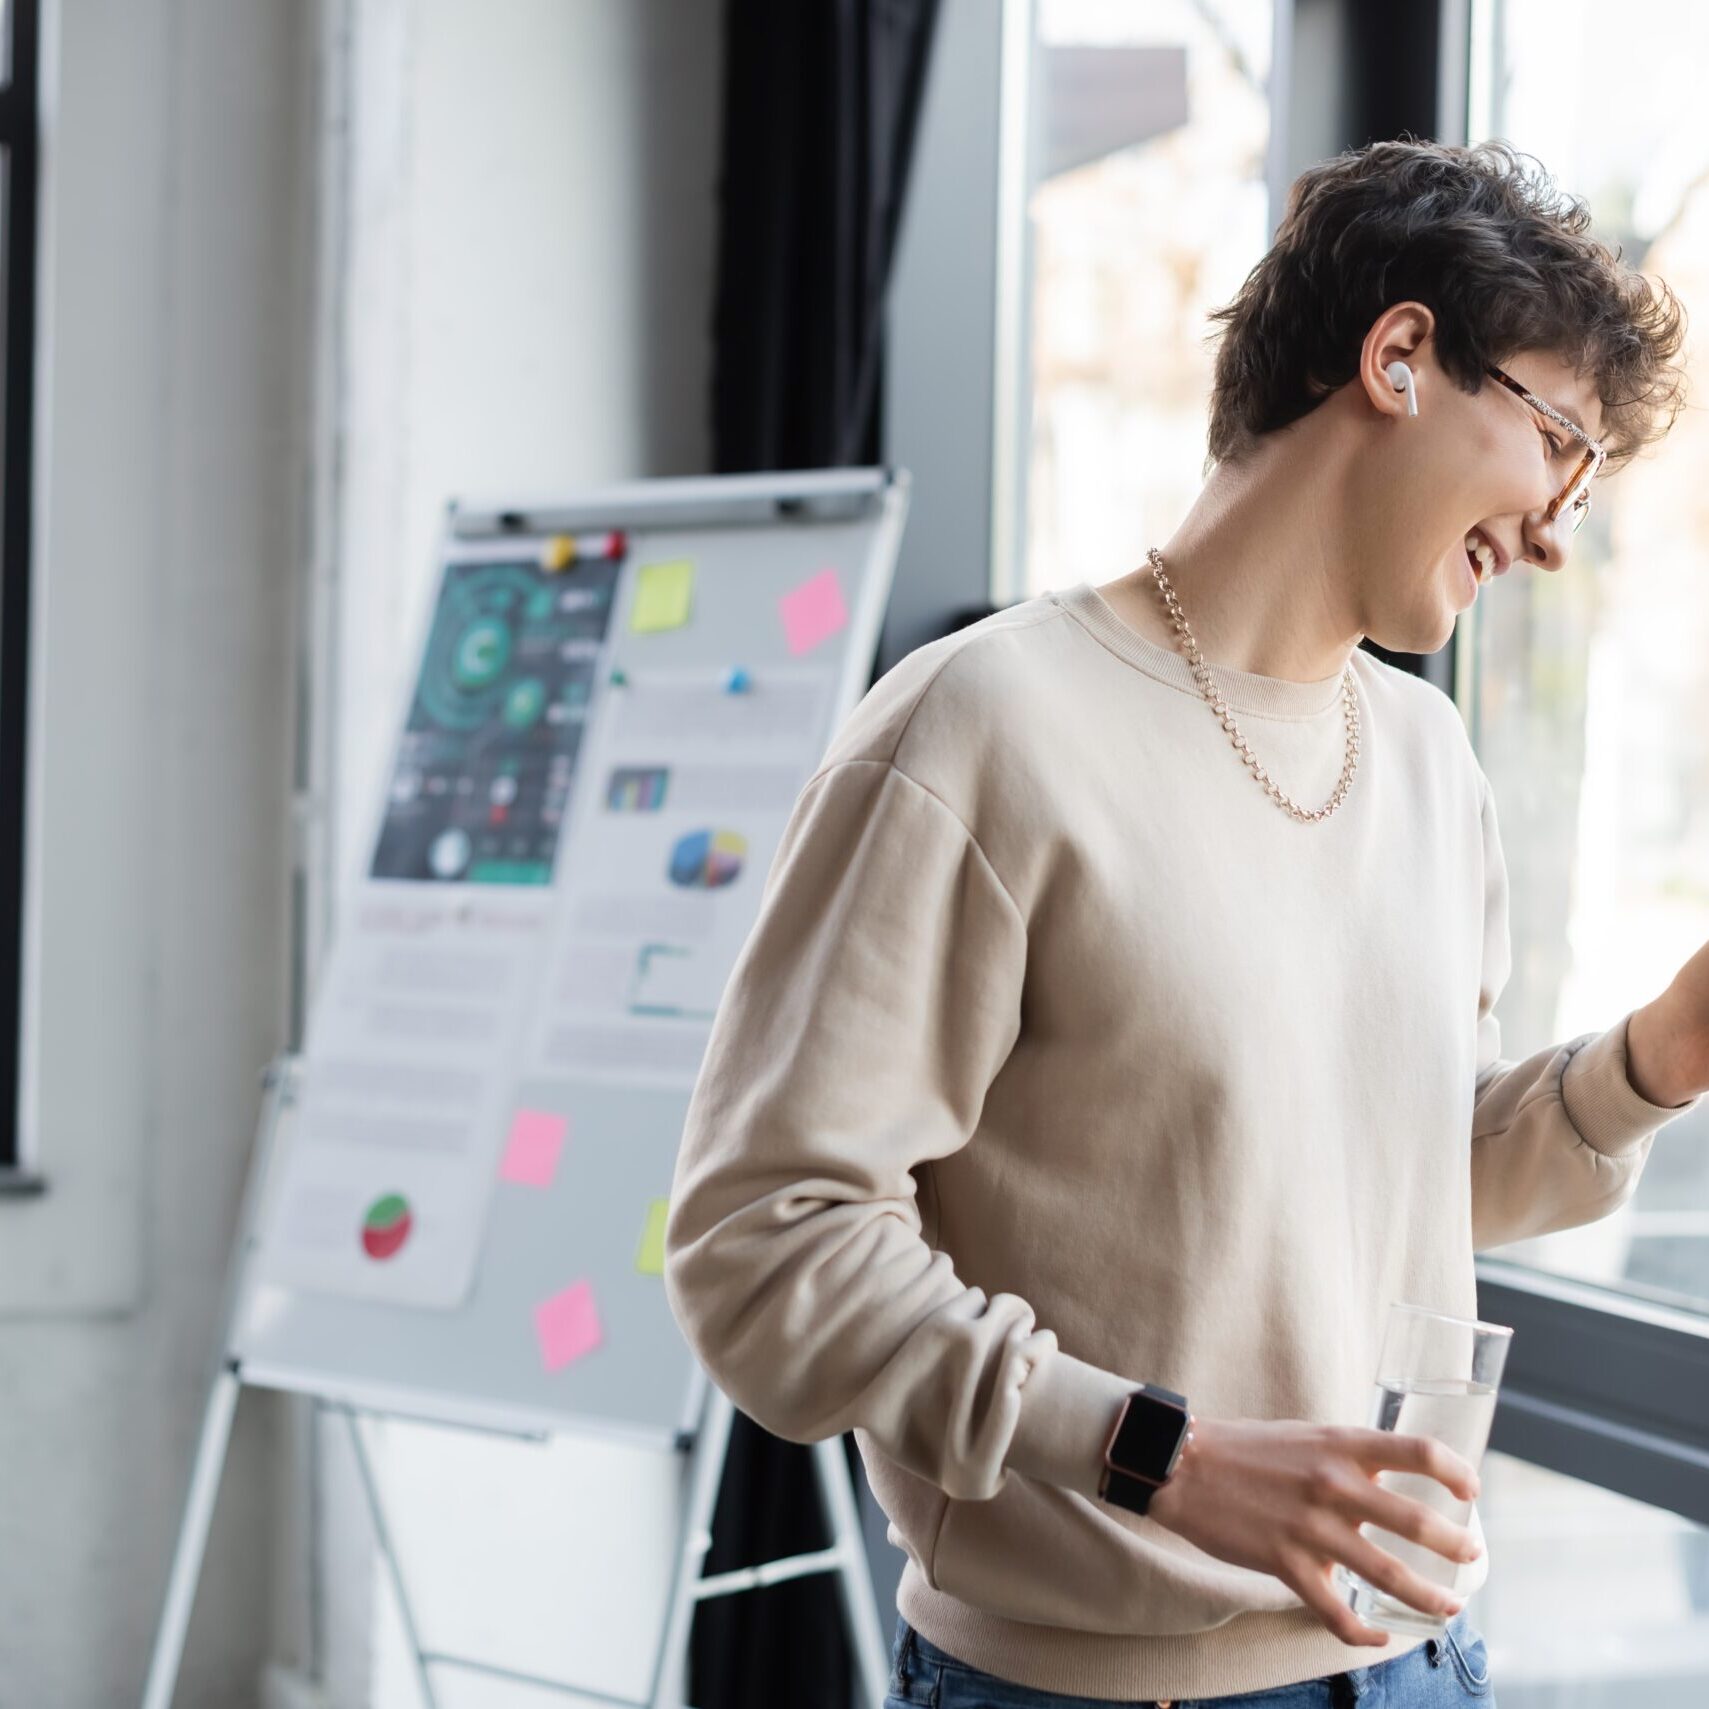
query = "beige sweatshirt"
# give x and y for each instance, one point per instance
(1060, 1058)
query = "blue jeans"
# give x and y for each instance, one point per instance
(1436, 1674)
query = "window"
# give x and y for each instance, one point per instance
(1587, 692)
(1151, 206)
(1606, 1384)
(1590, 714)
(18, 44)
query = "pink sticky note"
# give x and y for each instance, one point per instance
(813, 611)
(567, 1325)
(531, 1152)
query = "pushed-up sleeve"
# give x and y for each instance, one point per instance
(873, 1002)
(1560, 1138)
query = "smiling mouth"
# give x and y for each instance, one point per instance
(1479, 574)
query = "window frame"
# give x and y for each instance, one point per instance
(1602, 1386)
(20, 153)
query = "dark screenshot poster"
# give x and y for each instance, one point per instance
(483, 773)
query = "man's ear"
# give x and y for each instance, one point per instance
(1403, 332)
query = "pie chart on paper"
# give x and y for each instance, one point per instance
(707, 860)
(386, 1226)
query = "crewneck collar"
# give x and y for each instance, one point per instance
(1245, 691)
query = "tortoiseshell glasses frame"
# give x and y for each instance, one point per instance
(1574, 497)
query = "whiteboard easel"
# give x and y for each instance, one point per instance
(753, 539)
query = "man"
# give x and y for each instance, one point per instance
(1125, 980)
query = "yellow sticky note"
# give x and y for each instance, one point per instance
(663, 594)
(650, 1261)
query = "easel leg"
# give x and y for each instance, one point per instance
(192, 1541)
(383, 1536)
(705, 1472)
(223, 1389)
(860, 1606)
(846, 1556)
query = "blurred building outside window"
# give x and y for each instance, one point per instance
(1132, 247)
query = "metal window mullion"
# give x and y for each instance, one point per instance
(1607, 1388)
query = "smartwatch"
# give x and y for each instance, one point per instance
(1144, 1447)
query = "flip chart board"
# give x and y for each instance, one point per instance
(617, 701)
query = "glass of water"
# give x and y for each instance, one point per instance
(1437, 1376)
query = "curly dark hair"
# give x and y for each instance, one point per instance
(1501, 257)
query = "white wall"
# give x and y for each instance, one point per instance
(159, 837)
(530, 292)
(528, 244)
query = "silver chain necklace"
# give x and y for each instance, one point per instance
(1208, 688)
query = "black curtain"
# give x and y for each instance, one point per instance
(821, 100)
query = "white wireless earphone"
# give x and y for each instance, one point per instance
(1400, 376)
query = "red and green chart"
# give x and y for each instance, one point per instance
(386, 1226)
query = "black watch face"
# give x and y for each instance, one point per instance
(1148, 1436)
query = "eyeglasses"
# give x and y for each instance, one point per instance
(1574, 497)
